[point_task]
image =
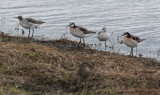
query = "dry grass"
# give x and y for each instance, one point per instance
(49, 68)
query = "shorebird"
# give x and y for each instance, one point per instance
(103, 36)
(83, 73)
(29, 23)
(79, 32)
(131, 41)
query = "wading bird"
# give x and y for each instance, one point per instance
(29, 23)
(103, 36)
(79, 32)
(131, 41)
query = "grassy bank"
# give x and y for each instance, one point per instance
(37, 67)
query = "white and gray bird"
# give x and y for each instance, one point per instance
(79, 32)
(103, 36)
(29, 23)
(131, 41)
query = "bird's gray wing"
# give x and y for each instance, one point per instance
(31, 20)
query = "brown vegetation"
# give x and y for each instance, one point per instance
(49, 68)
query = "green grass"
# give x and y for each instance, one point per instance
(110, 92)
(67, 77)
(6, 39)
(4, 66)
(130, 82)
(94, 93)
(83, 92)
(45, 92)
(33, 56)
(15, 87)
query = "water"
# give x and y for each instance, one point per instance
(139, 17)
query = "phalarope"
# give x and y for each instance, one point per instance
(79, 32)
(131, 41)
(103, 36)
(29, 23)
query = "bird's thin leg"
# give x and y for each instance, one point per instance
(85, 86)
(105, 45)
(132, 51)
(109, 41)
(79, 43)
(131, 54)
(32, 32)
(29, 33)
(83, 43)
(23, 32)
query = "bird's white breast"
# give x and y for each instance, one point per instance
(103, 36)
(77, 32)
(25, 24)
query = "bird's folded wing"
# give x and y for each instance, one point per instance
(31, 20)
(137, 39)
(85, 31)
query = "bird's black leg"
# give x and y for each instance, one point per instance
(109, 41)
(32, 32)
(29, 33)
(131, 51)
(83, 43)
(105, 45)
(79, 43)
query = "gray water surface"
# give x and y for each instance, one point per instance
(139, 17)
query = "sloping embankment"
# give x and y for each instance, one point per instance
(50, 67)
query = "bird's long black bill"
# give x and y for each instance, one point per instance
(122, 35)
(67, 26)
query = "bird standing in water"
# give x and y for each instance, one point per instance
(29, 23)
(131, 41)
